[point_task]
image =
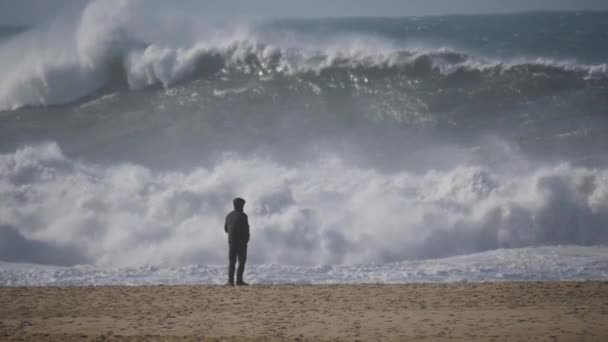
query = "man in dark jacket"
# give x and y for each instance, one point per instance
(237, 228)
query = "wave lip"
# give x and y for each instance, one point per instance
(154, 65)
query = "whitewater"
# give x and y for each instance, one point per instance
(370, 150)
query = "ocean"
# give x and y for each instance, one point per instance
(415, 149)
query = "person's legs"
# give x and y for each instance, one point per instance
(232, 254)
(242, 256)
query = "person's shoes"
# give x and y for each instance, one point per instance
(230, 283)
(241, 283)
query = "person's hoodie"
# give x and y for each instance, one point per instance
(237, 223)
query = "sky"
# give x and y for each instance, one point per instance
(28, 12)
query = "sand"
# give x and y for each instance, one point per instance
(564, 311)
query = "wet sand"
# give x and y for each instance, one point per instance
(541, 311)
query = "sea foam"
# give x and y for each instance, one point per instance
(62, 211)
(564, 263)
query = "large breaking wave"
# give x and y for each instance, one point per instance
(111, 44)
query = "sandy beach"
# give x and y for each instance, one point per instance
(563, 311)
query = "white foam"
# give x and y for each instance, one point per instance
(326, 211)
(528, 264)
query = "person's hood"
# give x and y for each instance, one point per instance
(238, 203)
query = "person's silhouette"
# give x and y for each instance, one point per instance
(237, 228)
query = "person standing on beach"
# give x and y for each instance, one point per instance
(237, 228)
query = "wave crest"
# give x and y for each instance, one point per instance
(71, 60)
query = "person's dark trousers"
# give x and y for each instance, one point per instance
(236, 251)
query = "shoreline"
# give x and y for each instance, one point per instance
(573, 310)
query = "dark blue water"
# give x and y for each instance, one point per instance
(562, 35)
(536, 80)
